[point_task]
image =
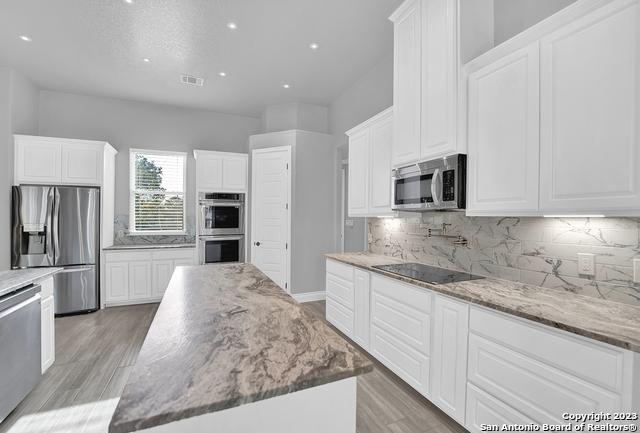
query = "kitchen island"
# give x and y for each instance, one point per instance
(230, 351)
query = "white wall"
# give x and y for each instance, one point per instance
(18, 115)
(129, 124)
(514, 16)
(371, 94)
(294, 115)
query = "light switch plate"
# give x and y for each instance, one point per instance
(636, 270)
(586, 264)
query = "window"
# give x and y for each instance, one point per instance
(157, 185)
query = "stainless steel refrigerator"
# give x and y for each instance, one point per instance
(60, 226)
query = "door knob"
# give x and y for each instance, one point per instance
(257, 244)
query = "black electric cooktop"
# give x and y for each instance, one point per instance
(428, 274)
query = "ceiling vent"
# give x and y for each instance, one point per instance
(194, 81)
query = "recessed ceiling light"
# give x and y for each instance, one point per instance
(146, 60)
(222, 74)
(25, 38)
(232, 25)
(286, 86)
(128, 1)
(314, 46)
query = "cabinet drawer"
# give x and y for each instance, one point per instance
(340, 270)
(485, 409)
(541, 391)
(174, 254)
(340, 317)
(340, 290)
(127, 256)
(402, 311)
(593, 362)
(411, 365)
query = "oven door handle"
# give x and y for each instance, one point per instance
(220, 238)
(434, 187)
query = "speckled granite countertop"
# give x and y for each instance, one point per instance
(15, 279)
(148, 247)
(606, 321)
(223, 336)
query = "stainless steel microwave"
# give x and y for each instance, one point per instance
(439, 184)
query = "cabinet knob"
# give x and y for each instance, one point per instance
(257, 244)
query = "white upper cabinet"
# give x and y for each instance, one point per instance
(554, 115)
(406, 82)
(370, 166)
(503, 134)
(439, 78)
(46, 160)
(590, 141)
(221, 171)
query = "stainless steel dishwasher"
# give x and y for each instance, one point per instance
(20, 350)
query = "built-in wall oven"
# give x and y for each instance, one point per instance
(221, 228)
(221, 214)
(439, 184)
(221, 249)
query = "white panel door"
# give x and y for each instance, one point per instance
(358, 173)
(140, 280)
(406, 84)
(439, 78)
(381, 139)
(590, 113)
(48, 341)
(209, 173)
(503, 135)
(361, 308)
(81, 164)
(449, 356)
(117, 282)
(37, 161)
(161, 275)
(270, 212)
(234, 173)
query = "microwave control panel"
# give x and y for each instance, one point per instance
(449, 185)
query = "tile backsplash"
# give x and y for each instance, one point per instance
(538, 251)
(122, 236)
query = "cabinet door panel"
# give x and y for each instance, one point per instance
(483, 409)
(503, 135)
(209, 173)
(117, 282)
(361, 309)
(590, 113)
(37, 162)
(407, 85)
(48, 345)
(339, 316)
(139, 280)
(234, 172)
(358, 173)
(162, 271)
(381, 139)
(81, 164)
(439, 78)
(449, 356)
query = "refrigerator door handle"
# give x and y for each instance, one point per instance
(76, 269)
(55, 226)
(49, 227)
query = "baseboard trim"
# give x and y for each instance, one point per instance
(309, 296)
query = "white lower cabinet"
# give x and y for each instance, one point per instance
(47, 325)
(141, 276)
(480, 366)
(449, 355)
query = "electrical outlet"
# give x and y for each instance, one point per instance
(586, 264)
(636, 270)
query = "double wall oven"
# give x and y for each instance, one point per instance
(221, 227)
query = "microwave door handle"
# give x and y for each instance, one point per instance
(434, 187)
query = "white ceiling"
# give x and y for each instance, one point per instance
(97, 47)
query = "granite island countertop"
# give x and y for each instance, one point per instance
(224, 336)
(17, 278)
(610, 322)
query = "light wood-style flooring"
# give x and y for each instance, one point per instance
(95, 353)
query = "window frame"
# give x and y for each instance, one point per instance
(132, 190)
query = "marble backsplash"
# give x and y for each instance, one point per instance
(122, 236)
(538, 251)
